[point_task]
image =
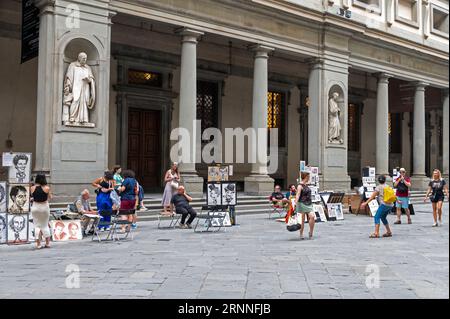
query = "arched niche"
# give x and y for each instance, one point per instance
(333, 126)
(70, 54)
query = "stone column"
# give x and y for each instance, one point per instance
(382, 125)
(419, 179)
(259, 183)
(188, 107)
(445, 140)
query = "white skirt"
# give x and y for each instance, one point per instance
(41, 215)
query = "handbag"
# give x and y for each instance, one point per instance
(294, 222)
(174, 184)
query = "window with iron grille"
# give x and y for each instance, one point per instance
(147, 78)
(353, 128)
(395, 132)
(207, 104)
(275, 115)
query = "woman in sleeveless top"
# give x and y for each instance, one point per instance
(40, 192)
(437, 188)
(304, 204)
(104, 186)
(172, 179)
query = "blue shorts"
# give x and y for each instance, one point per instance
(381, 214)
(402, 202)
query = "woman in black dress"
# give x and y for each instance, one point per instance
(437, 187)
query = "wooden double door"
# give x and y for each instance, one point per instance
(144, 147)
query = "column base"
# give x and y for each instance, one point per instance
(419, 183)
(336, 184)
(193, 184)
(260, 185)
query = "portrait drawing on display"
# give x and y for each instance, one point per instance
(18, 229)
(21, 169)
(3, 227)
(19, 199)
(214, 195)
(229, 194)
(3, 197)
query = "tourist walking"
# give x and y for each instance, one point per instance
(172, 179)
(103, 187)
(40, 210)
(403, 185)
(304, 206)
(436, 188)
(385, 206)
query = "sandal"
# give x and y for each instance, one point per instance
(374, 235)
(387, 235)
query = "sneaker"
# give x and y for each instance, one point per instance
(182, 226)
(398, 222)
(435, 225)
(108, 228)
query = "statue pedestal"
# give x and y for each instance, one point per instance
(75, 124)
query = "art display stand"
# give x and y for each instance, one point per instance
(15, 200)
(369, 185)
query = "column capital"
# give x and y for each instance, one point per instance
(45, 6)
(384, 77)
(189, 35)
(261, 51)
(419, 85)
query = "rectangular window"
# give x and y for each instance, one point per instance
(395, 133)
(207, 104)
(372, 6)
(439, 21)
(146, 78)
(406, 11)
(275, 115)
(353, 128)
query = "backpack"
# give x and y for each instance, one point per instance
(389, 195)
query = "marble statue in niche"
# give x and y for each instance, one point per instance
(334, 120)
(79, 93)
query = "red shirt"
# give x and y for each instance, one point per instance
(402, 189)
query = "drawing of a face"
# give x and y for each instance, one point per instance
(59, 231)
(229, 193)
(73, 230)
(2, 226)
(214, 193)
(19, 198)
(17, 224)
(21, 166)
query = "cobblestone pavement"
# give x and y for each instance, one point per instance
(256, 259)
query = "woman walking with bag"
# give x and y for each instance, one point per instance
(40, 192)
(172, 179)
(304, 204)
(437, 187)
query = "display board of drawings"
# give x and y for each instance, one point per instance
(15, 205)
(221, 193)
(15, 199)
(327, 205)
(369, 185)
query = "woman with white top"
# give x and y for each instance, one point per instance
(172, 179)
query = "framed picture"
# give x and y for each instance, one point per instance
(3, 197)
(320, 213)
(314, 170)
(372, 172)
(20, 171)
(373, 207)
(302, 166)
(66, 230)
(229, 194)
(213, 173)
(331, 212)
(3, 228)
(19, 198)
(221, 221)
(18, 229)
(223, 173)
(214, 194)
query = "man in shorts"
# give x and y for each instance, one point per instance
(402, 184)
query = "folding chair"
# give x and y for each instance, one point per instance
(101, 223)
(174, 220)
(117, 221)
(213, 212)
(277, 209)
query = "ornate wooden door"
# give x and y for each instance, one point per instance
(144, 146)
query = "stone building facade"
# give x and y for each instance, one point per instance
(160, 64)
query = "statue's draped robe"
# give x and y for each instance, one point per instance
(334, 124)
(82, 92)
